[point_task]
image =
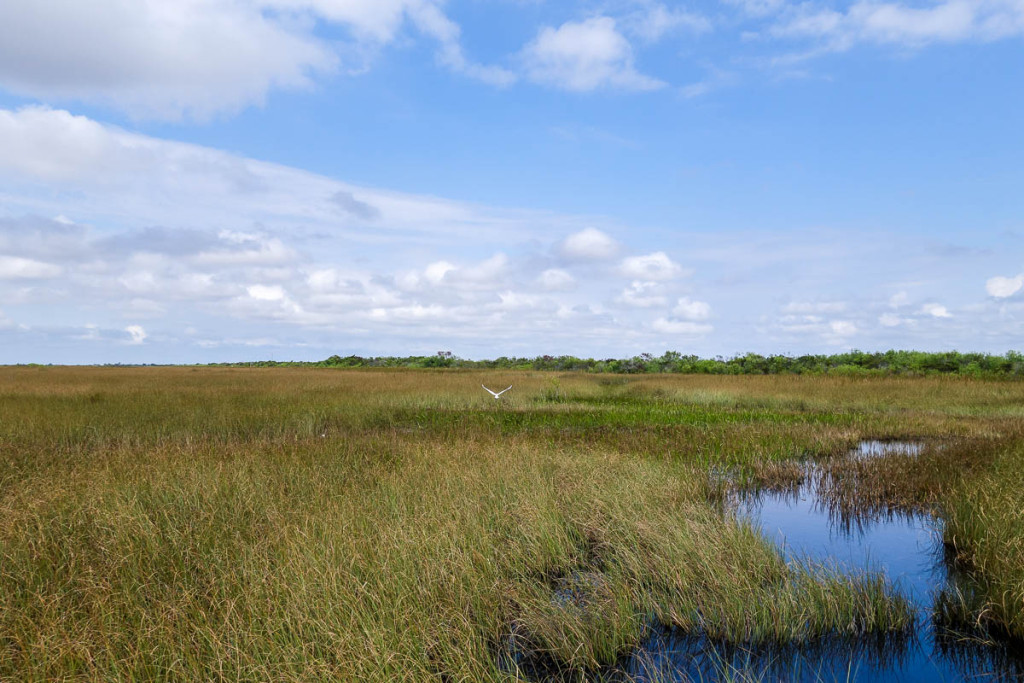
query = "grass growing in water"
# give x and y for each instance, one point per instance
(302, 524)
(985, 533)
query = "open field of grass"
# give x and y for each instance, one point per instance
(321, 524)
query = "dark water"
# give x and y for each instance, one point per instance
(907, 548)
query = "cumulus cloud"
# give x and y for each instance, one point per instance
(589, 244)
(197, 58)
(936, 310)
(137, 334)
(463, 281)
(435, 272)
(174, 288)
(163, 59)
(641, 294)
(583, 56)
(688, 309)
(266, 292)
(1001, 287)
(800, 320)
(655, 266)
(489, 271)
(266, 252)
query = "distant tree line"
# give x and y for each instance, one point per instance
(855, 363)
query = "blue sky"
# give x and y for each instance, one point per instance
(206, 180)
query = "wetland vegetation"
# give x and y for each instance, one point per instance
(375, 524)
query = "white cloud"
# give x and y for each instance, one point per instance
(655, 20)
(688, 309)
(371, 20)
(898, 24)
(589, 244)
(681, 327)
(323, 280)
(936, 311)
(486, 274)
(516, 300)
(137, 334)
(804, 324)
(159, 58)
(1001, 287)
(488, 271)
(435, 272)
(104, 170)
(656, 266)
(429, 19)
(260, 251)
(642, 294)
(197, 58)
(842, 328)
(584, 56)
(266, 292)
(17, 268)
(555, 279)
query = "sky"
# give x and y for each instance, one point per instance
(189, 181)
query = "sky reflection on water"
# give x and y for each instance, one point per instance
(906, 547)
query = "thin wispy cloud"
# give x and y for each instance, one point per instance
(949, 21)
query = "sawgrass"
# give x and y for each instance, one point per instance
(296, 524)
(984, 533)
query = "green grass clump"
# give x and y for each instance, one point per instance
(985, 533)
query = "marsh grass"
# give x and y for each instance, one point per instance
(294, 524)
(984, 534)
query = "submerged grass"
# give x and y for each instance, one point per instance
(293, 524)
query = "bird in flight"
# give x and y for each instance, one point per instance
(497, 394)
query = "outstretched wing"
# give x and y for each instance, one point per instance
(502, 391)
(491, 392)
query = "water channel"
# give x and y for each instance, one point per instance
(906, 547)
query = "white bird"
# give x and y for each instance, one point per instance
(498, 393)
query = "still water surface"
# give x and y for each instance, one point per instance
(906, 547)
